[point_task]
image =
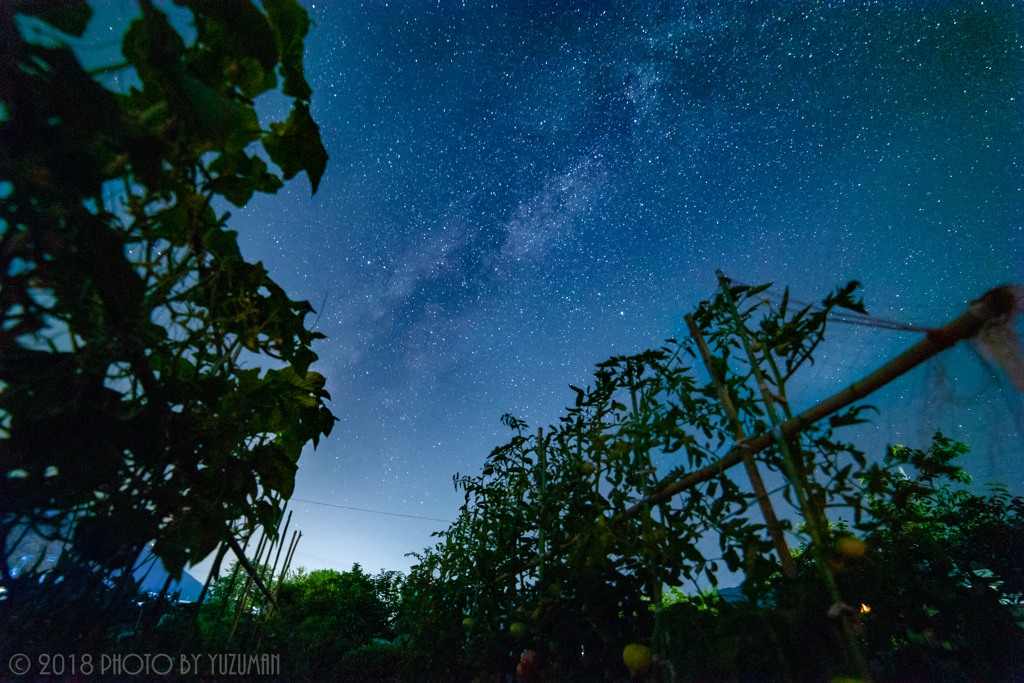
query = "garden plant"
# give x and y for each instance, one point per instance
(130, 320)
(558, 562)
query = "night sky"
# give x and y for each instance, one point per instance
(519, 190)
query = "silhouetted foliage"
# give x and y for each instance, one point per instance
(328, 625)
(128, 312)
(556, 551)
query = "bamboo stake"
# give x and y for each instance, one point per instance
(255, 578)
(291, 554)
(296, 537)
(234, 575)
(816, 523)
(248, 580)
(279, 538)
(278, 541)
(795, 479)
(767, 511)
(283, 536)
(263, 556)
(287, 561)
(243, 600)
(233, 542)
(284, 569)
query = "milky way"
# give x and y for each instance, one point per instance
(519, 190)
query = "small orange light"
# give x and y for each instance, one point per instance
(864, 609)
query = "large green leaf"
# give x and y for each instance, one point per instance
(275, 469)
(239, 176)
(154, 48)
(295, 146)
(291, 23)
(69, 16)
(236, 27)
(220, 122)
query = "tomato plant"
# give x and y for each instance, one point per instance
(564, 531)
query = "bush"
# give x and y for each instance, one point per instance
(377, 662)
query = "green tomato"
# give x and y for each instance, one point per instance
(637, 658)
(851, 548)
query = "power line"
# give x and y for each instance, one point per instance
(376, 512)
(847, 316)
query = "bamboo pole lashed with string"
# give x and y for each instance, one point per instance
(994, 304)
(814, 518)
(767, 511)
(989, 308)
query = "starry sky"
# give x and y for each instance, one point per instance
(519, 190)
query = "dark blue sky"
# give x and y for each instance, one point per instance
(518, 190)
